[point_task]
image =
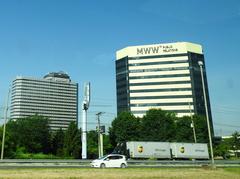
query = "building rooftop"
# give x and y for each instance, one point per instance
(159, 49)
(59, 74)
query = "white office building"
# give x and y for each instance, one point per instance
(165, 76)
(55, 96)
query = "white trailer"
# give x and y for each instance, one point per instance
(189, 150)
(166, 150)
(142, 149)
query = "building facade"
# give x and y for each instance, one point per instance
(55, 96)
(165, 76)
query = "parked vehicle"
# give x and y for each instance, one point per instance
(112, 160)
(163, 150)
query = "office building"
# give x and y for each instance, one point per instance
(55, 96)
(165, 76)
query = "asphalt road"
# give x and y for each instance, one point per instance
(28, 163)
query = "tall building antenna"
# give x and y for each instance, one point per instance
(85, 106)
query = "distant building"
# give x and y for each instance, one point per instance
(165, 76)
(54, 96)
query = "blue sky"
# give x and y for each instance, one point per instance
(81, 38)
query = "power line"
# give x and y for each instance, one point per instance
(225, 110)
(226, 125)
(101, 123)
(101, 105)
(227, 106)
(94, 112)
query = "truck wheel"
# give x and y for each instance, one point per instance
(123, 165)
(102, 165)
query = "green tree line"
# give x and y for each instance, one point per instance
(165, 126)
(157, 125)
(31, 137)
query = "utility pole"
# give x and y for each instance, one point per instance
(4, 126)
(192, 124)
(200, 63)
(100, 136)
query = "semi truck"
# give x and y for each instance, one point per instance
(162, 150)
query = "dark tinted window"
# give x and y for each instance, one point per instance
(115, 157)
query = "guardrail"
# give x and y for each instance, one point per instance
(8, 163)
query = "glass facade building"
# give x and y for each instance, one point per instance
(54, 96)
(165, 76)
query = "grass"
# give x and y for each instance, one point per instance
(35, 156)
(187, 173)
(234, 170)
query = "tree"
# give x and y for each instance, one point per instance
(92, 138)
(126, 127)
(72, 141)
(222, 149)
(184, 131)
(158, 125)
(200, 123)
(92, 143)
(32, 133)
(58, 143)
(235, 143)
(9, 147)
(108, 148)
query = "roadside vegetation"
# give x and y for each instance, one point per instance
(31, 137)
(188, 173)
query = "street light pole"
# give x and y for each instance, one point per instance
(4, 126)
(200, 63)
(192, 124)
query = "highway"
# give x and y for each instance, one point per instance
(29, 163)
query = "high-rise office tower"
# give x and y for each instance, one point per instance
(165, 76)
(55, 96)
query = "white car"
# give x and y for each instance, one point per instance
(112, 160)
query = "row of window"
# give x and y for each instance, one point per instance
(42, 108)
(42, 97)
(121, 72)
(21, 92)
(46, 104)
(175, 111)
(50, 115)
(34, 87)
(160, 97)
(53, 114)
(161, 90)
(50, 119)
(158, 69)
(158, 76)
(161, 104)
(44, 89)
(158, 56)
(159, 83)
(45, 107)
(121, 62)
(44, 82)
(158, 63)
(57, 90)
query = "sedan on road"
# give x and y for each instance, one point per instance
(111, 161)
